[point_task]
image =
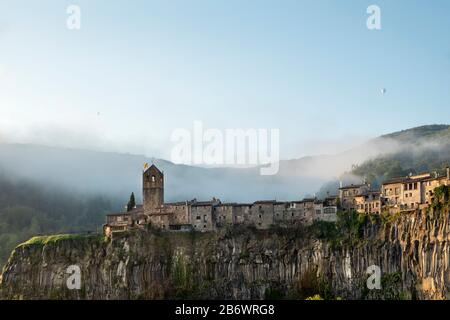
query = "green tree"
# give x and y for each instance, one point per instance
(131, 203)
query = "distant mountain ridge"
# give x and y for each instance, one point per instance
(422, 132)
(417, 149)
(120, 174)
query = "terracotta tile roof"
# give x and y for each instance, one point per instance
(179, 203)
(353, 186)
(227, 204)
(203, 203)
(283, 202)
(441, 177)
(153, 167)
(119, 214)
(265, 202)
(407, 179)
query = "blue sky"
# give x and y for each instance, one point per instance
(137, 70)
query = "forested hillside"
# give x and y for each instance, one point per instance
(28, 209)
(421, 149)
(416, 150)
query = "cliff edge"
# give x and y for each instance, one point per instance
(410, 249)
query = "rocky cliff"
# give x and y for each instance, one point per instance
(412, 251)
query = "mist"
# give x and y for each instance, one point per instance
(118, 174)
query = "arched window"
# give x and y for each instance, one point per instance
(153, 178)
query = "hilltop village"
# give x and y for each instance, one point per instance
(401, 194)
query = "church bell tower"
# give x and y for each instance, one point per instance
(153, 188)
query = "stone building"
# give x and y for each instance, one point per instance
(122, 221)
(225, 214)
(347, 195)
(202, 217)
(287, 212)
(397, 194)
(262, 213)
(241, 212)
(331, 201)
(429, 185)
(404, 193)
(413, 191)
(370, 202)
(205, 216)
(116, 222)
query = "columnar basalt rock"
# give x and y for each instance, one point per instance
(412, 252)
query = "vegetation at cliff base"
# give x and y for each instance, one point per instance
(312, 285)
(315, 297)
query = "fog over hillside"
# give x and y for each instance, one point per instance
(118, 175)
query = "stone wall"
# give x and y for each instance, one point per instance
(202, 218)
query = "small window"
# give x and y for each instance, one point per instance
(153, 178)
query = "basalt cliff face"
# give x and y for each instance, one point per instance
(412, 252)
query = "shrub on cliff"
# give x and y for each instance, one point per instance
(348, 229)
(312, 284)
(324, 230)
(350, 226)
(441, 195)
(315, 297)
